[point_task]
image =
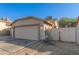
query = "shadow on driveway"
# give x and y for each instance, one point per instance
(60, 48)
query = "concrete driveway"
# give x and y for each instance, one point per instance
(29, 47)
(7, 45)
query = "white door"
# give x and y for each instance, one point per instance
(31, 32)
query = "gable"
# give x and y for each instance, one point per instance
(26, 21)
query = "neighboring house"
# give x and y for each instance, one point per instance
(49, 24)
(56, 24)
(30, 28)
(4, 23)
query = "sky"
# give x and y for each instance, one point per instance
(40, 10)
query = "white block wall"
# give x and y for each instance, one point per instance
(55, 34)
(77, 35)
(67, 34)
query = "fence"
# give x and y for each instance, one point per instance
(65, 34)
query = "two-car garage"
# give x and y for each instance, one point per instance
(28, 32)
(26, 28)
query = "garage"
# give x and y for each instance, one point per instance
(30, 32)
(26, 28)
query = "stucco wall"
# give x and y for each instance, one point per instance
(67, 34)
(77, 35)
(55, 34)
(64, 34)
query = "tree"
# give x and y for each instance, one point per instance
(67, 22)
(48, 17)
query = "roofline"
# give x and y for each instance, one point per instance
(26, 18)
(49, 23)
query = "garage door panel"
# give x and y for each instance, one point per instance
(27, 33)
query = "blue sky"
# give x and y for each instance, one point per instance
(41, 10)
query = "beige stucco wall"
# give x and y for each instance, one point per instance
(46, 27)
(56, 24)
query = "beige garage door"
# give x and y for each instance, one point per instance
(31, 32)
